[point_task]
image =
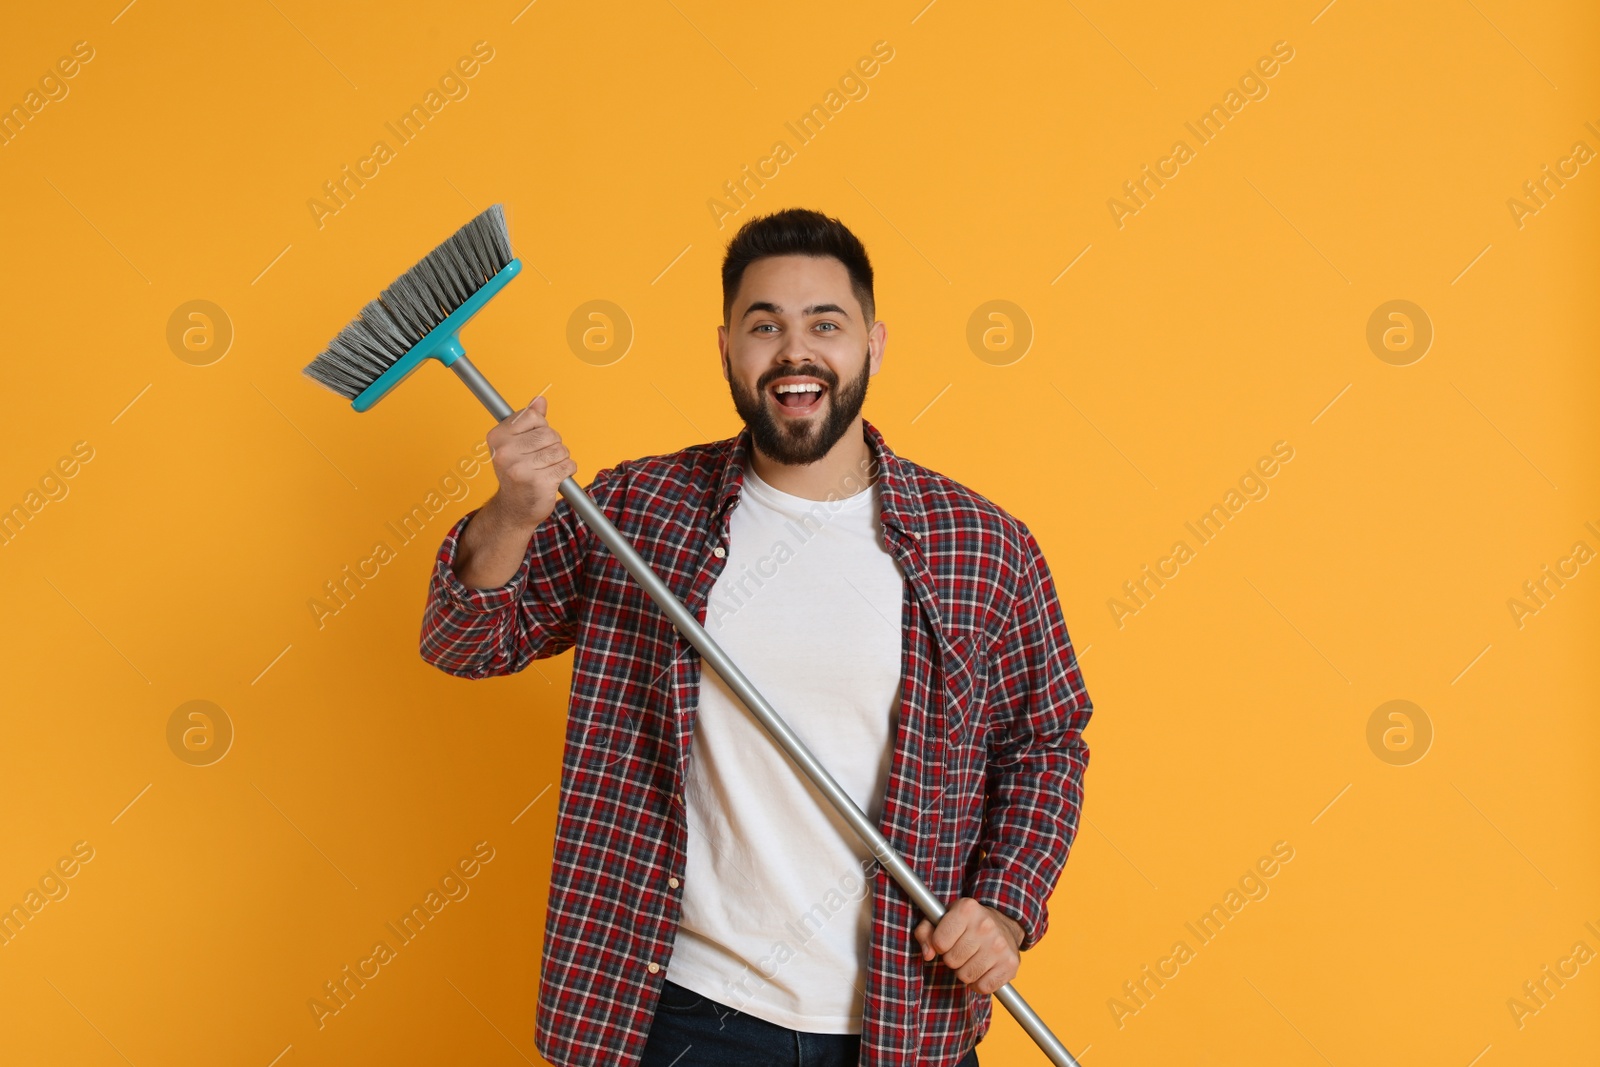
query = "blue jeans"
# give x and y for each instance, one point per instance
(691, 1030)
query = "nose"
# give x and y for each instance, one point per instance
(794, 349)
(791, 362)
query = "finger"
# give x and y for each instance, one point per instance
(512, 419)
(547, 455)
(524, 472)
(961, 956)
(955, 926)
(957, 939)
(993, 978)
(981, 964)
(922, 933)
(530, 417)
(540, 440)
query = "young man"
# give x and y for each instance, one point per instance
(707, 906)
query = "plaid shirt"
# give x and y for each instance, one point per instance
(986, 778)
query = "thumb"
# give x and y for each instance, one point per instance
(537, 405)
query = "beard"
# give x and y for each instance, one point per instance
(800, 441)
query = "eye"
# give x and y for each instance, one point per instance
(833, 324)
(763, 326)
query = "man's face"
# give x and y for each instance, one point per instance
(796, 323)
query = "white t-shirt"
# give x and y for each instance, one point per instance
(776, 890)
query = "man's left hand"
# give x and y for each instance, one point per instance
(975, 941)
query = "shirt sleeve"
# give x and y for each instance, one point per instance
(481, 633)
(1036, 758)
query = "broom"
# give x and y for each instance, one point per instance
(417, 319)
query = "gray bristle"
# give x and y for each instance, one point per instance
(414, 303)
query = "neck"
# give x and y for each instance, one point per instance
(844, 471)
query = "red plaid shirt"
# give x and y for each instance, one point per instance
(986, 779)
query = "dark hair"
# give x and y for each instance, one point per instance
(796, 232)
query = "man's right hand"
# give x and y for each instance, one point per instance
(530, 463)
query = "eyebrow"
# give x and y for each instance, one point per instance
(814, 309)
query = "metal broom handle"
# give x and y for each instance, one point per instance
(712, 653)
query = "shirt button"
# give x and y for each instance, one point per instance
(653, 968)
(673, 882)
(719, 552)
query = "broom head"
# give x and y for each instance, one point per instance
(418, 316)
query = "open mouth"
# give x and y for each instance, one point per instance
(798, 397)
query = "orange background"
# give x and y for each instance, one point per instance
(1229, 313)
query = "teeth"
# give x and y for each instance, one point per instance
(803, 387)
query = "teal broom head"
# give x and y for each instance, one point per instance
(419, 316)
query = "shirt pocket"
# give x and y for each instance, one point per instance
(966, 687)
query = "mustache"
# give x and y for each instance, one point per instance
(823, 374)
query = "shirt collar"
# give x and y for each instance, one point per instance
(900, 507)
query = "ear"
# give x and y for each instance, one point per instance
(876, 351)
